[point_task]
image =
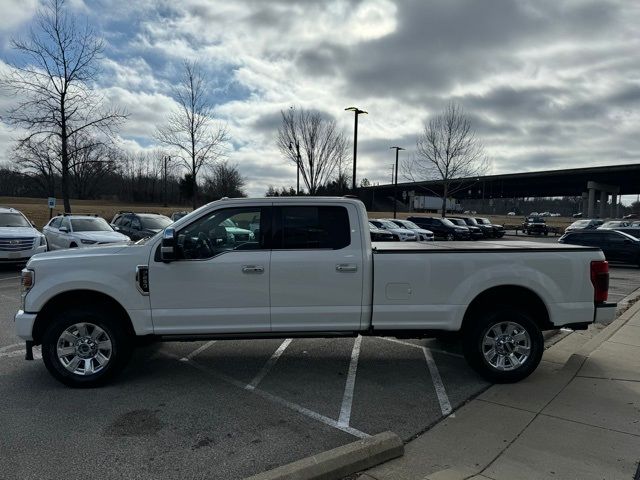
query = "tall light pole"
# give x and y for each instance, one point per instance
(356, 112)
(395, 183)
(166, 160)
(298, 160)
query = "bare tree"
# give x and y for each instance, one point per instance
(60, 62)
(224, 181)
(190, 130)
(316, 141)
(40, 160)
(448, 150)
(91, 160)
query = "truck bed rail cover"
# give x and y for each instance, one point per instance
(487, 246)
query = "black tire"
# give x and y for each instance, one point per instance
(121, 345)
(73, 245)
(481, 325)
(546, 234)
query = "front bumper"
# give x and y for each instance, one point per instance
(24, 324)
(605, 313)
(21, 256)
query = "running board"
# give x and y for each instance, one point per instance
(255, 336)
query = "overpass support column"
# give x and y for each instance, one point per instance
(585, 204)
(613, 211)
(604, 196)
(591, 203)
(604, 190)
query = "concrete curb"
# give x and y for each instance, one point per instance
(577, 359)
(341, 461)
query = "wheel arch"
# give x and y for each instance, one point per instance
(79, 298)
(512, 296)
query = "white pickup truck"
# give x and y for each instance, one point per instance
(303, 267)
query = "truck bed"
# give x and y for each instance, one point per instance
(484, 246)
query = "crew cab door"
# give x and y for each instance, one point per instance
(316, 268)
(219, 282)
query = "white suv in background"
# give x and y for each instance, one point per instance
(77, 231)
(19, 240)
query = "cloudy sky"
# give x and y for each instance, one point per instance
(549, 84)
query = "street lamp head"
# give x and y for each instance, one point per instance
(397, 148)
(356, 110)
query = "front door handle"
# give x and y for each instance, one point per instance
(346, 267)
(252, 269)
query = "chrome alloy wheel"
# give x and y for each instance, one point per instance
(506, 346)
(84, 348)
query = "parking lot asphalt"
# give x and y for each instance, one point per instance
(225, 409)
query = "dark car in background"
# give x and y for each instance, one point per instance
(442, 228)
(616, 246)
(491, 230)
(474, 230)
(380, 235)
(625, 226)
(535, 226)
(137, 226)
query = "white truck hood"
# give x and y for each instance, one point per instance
(99, 254)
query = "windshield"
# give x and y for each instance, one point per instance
(409, 224)
(13, 220)
(90, 225)
(483, 221)
(457, 221)
(535, 220)
(447, 222)
(580, 223)
(155, 223)
(388, 225)
(615, 224)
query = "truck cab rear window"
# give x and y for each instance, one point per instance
(313, 228)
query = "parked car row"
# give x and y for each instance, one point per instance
(461, 228)
(20, 239)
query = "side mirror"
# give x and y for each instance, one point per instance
(64, 229)
(168, 247)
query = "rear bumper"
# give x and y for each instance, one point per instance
(605, 313)
(24, 324)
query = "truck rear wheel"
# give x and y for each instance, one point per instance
(85, 347)
(503, 346)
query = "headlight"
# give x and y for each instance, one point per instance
(252, 236)
(43, 241)
(88, 242)
(27, 279)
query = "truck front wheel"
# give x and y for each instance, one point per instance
(503, 346)
(85, 347)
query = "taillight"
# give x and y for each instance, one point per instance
(600, 280)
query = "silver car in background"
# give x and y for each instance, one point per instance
(423, 234)
(404, 234)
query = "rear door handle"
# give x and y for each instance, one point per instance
(346, 267)
(252, 269)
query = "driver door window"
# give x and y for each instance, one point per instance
(221, 231)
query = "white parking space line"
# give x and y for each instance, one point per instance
(347, 398)
(275, 399)
(197, 351)
(409, 344)
(37, 354)
(267, 366)
(10, 347)
(7, 279)
(445, 406)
